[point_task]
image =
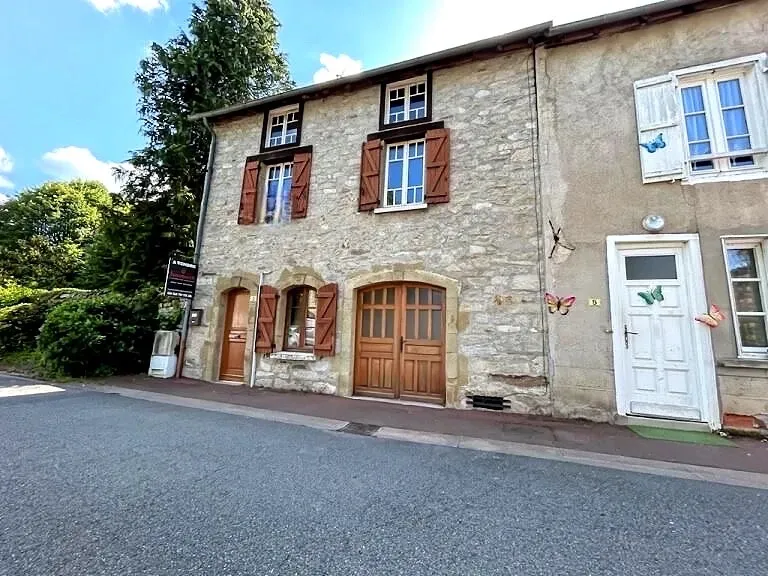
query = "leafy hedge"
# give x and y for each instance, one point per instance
(100, 335)
(12, 294)
(20, 322)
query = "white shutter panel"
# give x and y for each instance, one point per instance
(658, 112)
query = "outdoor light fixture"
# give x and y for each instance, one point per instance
(653, 223)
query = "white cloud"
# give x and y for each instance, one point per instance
(449, 23)
(3, 198)
(143, 5)
(6, 166)
(72, 162)
(336, 67)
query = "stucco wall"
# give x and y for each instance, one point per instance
(484, 242)
(592, 187)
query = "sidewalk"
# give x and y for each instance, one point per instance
(747, 454)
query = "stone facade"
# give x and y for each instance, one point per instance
(592, 187)
(482, 247)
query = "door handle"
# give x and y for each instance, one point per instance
(402, 343)
(626, 336)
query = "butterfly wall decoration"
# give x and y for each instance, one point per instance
(558, 240)
(711, 318)
(652, 295)
(557, 304)
(654, 144)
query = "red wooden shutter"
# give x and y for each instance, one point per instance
(370, 170)
(265, 325)
(249, 193)
(302, 164)
(325, 324)
(438, 164)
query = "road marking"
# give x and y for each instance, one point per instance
(29, 390)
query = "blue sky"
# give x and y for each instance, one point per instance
(68, 103)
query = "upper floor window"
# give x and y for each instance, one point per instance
(277, 198)
(405, 174)
(746, 269)
(706, 122)
(717, 126)
(300, 316)
(282, 127)
(406, 101)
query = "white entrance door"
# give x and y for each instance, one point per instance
(660, 367)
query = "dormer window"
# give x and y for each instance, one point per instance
(406, 101)
(282, 127)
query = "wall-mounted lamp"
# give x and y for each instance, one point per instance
(653, 223)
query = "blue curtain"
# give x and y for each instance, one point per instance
(734, 117)
(696, 121)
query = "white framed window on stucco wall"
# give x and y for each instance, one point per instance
(705, 123)
(746, 266)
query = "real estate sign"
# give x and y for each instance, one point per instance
(180, 279)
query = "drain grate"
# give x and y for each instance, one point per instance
(488, 402)
(360, 429)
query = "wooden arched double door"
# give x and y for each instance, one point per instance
(400, 342)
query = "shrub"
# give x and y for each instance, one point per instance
(12, 294)
(100, 335)
(20, 323)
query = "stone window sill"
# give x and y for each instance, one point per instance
(293, 356)
(744, 363)
(404, 208)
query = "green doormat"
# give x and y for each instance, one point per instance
(680, 436)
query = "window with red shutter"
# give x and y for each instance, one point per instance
(370, 175)
(265, 325)
(438, 165)
(302, 164)
(249, 193)
(325, 324)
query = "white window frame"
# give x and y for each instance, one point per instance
(278, 214)
(754, 91)
(284, 112)
(760, 245)
(406, 85)
(404, 183)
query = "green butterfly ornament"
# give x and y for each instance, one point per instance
(652, 295)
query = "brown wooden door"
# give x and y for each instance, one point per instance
(235, 331)
(400, 345)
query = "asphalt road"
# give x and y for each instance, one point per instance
(93, 483)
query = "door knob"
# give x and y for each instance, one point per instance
(626, 336)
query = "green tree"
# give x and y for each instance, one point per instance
(45, 231)
(228, 55)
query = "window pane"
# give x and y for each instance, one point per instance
(397, 110)
(702, 165)
(367, 323)
(378, 296)
(271, 203)
(737, 144)
(696, 128)
(424, 296)
(730, 93)
(416, 171)
(389, 331)
(741, 263)
(423, 324)
(411, 296)
(746, 296)
(367, 297)
(377, 323)
(418, 107)
(285, 200)
(410, 324)
(742, 161)
(651, 267)
(390, 295)
(437, 324)
(395, 177)
(309, 321)
(735, 121)
(295, 321)
(437, 297)
(752, 330)
(693, 99)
